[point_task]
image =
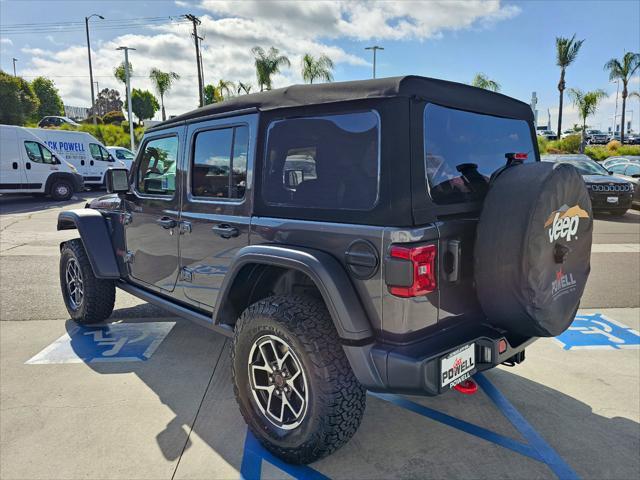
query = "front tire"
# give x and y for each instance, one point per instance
(61, 190)
(88, 299)
(292, 381)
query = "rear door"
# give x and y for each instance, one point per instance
(152, 211)
(11, 164)
(217, 203)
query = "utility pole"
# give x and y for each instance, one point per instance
(14, 66)
(126, 71)
(375, 48)
(196, 21)
(93, 98)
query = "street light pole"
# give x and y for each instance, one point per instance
(93, 98)
(126, 71)
(14, 66)
(375, 48)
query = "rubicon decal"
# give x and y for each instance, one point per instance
(564, 222)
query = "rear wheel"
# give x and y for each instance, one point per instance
(292, 381)
(61, 190)
(88, 299)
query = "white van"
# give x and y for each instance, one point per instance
(123, 154)
(82, 150)
(28, 166)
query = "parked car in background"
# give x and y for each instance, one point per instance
(596, 137)
(630, 171)
(629, 138)
(125, 155)
(620, 159)
(568, 133)
(28, 166)
(609, 193)
(82, 150)
(548, 134)
(54, 121)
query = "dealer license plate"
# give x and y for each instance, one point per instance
(612, 199)
(457, 366)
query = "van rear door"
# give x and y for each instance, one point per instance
(11, 165)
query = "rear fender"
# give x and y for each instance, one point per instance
(325, 271)
(96, 239)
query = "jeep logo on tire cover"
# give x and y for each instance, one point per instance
(564, 222)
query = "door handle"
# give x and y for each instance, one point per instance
(225, 231)
(166, 222)
(15, 165)
(91, 162)
(82, 162)
(28, 165)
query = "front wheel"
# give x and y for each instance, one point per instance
(88, 299)
(61, 190)
(292, 380)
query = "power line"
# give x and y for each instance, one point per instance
(71, 27)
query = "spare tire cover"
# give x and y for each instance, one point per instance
(533, 248)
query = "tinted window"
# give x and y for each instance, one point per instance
(124, 155)
(323, 162)
(219, 167)
(95, 151)
(619, 168)
(463, 149)
(632, 170)
(157, 169)
(586, 166)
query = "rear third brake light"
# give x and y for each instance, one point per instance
(423, 260)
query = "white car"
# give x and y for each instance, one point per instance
(28, 166)
(122, 154)
(82, 150)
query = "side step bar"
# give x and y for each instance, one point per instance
(176, 309)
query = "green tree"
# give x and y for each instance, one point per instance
(587, 104)
(18, 101)
(317, 68)
(243, 87)
(144, 104)
(120, 73)
(566, 52)
(623, 70)
(48, 96)
(163, 81)
(483, 81)
(210, 94)
(267, 65)
(218, 93)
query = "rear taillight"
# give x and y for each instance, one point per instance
(423, 266)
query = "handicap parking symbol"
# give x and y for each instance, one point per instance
(118, 342)
(595, 331)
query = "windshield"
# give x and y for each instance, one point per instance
(463, 149)
(586, 166)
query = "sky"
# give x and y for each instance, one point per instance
(513, 42)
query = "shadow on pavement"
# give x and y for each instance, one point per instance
(629, 217)
(392, 442)
(12, 204)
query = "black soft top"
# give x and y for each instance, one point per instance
(442, 92)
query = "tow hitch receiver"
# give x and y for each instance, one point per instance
(468, 387)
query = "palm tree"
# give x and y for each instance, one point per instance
(586, 103)
(483, 81)
(566, 52)
(319, 68)
(623, 70)
(163, 81)
(218, 93)
(225, 88)
(268, 65)
(243, 87)
(120, 73)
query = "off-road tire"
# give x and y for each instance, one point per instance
(99, 295)
(56, 195)
(336, 401)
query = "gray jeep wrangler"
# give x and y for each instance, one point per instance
(392, 235)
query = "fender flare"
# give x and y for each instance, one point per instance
(325, 271)
(95, 237)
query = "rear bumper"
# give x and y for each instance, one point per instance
(415, 368)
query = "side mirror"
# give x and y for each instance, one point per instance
(111, 159)
(117, 180)
(56, 160)
(635, 175)
(610, 172)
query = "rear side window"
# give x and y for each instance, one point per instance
(157, 169)
(219, 168)
(329, 162)
(98, 152)
(463, 149)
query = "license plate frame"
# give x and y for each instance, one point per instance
(612, 199)
(465, 358)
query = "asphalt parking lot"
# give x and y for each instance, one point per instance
(572, 410)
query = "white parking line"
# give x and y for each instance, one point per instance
(615, 248)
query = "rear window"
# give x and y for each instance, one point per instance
(329, 162)
(463, 149)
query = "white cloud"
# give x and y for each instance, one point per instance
(232, 28)
(5, 41)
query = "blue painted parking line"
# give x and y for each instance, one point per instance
(595, 331)
(117, 342)
(536, 447)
